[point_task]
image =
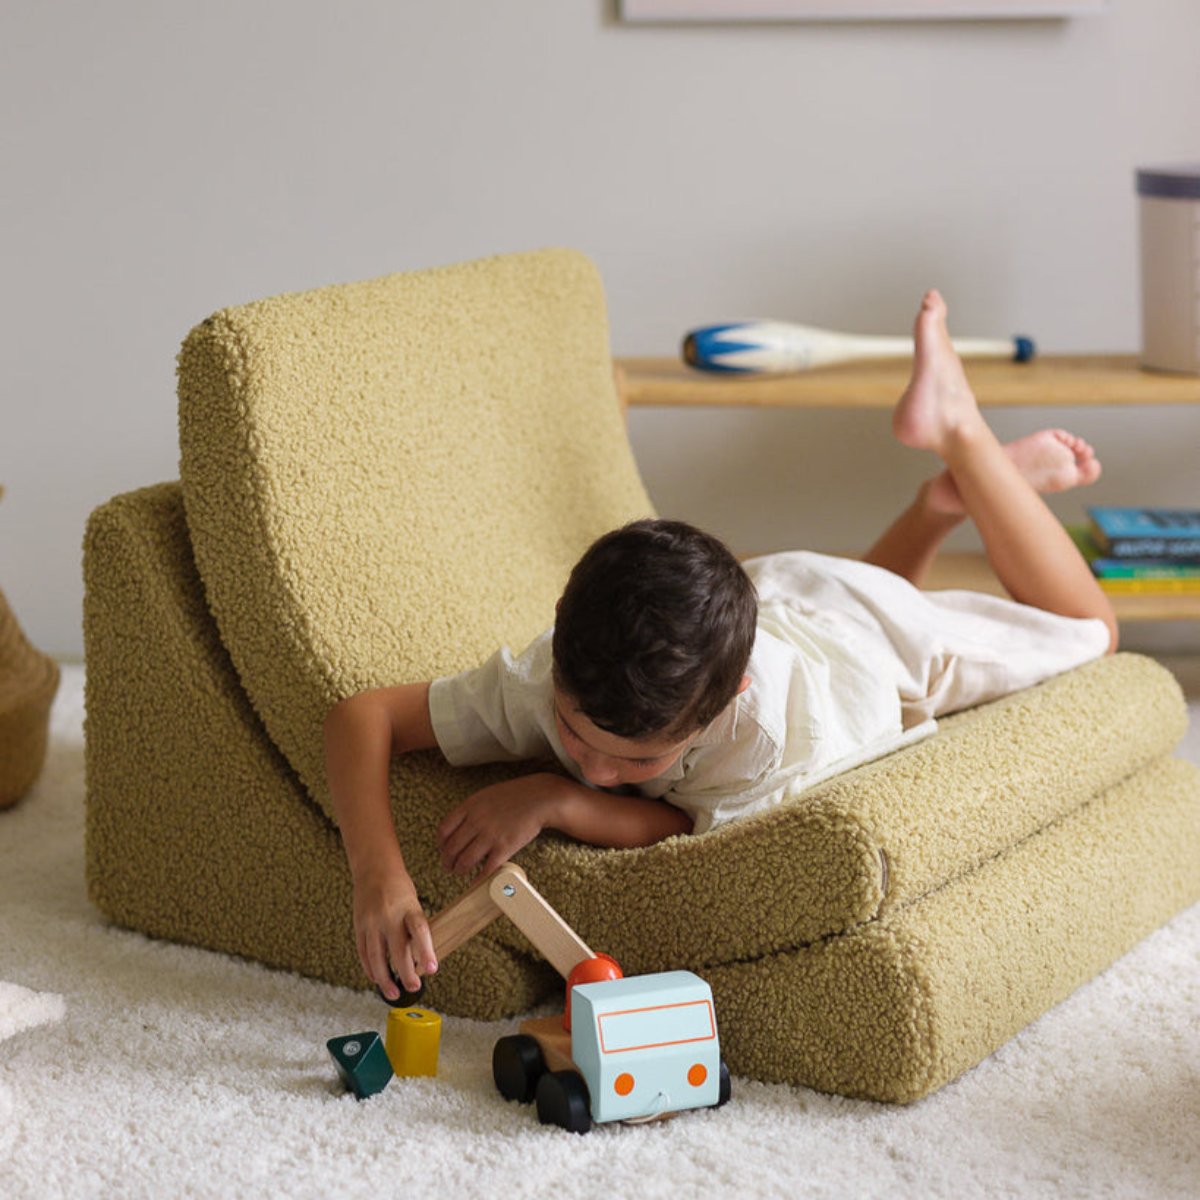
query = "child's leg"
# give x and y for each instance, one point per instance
(1051, 460)
(1029, 550)
(909, 545)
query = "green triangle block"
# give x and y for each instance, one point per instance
(362, 1063)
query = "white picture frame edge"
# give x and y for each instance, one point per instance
(765, 11)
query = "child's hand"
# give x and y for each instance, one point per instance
(390, 928)
(493, 824)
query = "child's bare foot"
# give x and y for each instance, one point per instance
(1052, 460)
(938, 403)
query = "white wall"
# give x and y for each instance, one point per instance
(162, 160)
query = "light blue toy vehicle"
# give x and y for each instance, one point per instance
(639, 1048)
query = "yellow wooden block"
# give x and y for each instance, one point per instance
(412, 1041)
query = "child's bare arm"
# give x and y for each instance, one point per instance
(492, 825)
(362, 733)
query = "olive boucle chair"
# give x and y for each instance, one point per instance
(384, 481)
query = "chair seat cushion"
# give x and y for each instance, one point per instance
(875, 839)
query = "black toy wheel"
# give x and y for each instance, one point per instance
(517, 1065)
(725, 1089)
(562, 1100)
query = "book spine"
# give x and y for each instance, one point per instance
(1133, 568)
(1181, 549)
(1146, 522)
(1150, 587)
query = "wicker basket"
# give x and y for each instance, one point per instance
(28, 681)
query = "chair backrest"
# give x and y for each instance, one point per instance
(384, 481)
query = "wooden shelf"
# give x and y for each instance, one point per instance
(971, 571)
(1075, 379)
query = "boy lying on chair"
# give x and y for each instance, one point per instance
(680, 689)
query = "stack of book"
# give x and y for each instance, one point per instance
(1151, 551)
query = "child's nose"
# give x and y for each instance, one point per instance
(599, 772)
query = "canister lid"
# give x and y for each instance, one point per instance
(1182, 183)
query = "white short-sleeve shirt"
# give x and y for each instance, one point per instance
(850, 662)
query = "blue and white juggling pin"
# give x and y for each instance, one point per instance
(775, 347)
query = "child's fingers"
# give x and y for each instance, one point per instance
(497, 857)
(469, 856)
(450, 823)
(421, 941)
(454, 845)
(401, 959)
(372, 951)
(364, 959)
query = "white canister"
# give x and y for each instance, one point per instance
(1169, 204)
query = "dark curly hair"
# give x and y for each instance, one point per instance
(654, 629)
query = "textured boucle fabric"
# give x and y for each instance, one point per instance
(875, 837)
(905, 1004)
(198, 830)
(386, 480)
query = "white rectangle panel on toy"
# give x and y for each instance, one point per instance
(656, 1026)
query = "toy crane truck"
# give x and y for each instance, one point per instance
(629, 1050)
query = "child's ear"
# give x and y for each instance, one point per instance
(557, 605)
(744, 684)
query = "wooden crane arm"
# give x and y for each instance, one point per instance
(507, 890)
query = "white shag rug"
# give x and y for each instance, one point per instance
(134, 1068)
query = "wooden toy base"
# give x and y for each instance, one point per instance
(554, 1040)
